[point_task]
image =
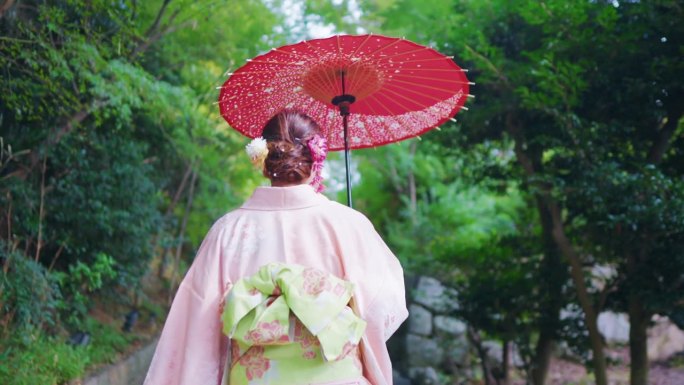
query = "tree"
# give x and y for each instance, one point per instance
(588, 93)
(102, 102)
(635, 214)
(452, 214)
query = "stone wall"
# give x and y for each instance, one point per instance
(432, 348)
(431, 345)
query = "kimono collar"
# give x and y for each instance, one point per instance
(284, 198)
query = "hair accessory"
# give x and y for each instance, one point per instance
(257, 150)
(319, 150)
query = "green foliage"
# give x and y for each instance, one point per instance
(42, 360)
(86, 205)
(79, 282)
(29, 295)
(103, 109)
(470, 225)
(591, 95)
(636, 214)
(109, 142)
(37, 358)
(455, 222)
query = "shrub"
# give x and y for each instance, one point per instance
(29, 294)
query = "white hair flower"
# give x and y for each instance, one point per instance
(257, 150)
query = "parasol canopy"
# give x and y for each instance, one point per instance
(386, 89)
(402, 89)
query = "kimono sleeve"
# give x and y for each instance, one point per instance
(192, 348)
(384, 302)
(386, 311)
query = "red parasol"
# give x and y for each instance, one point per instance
(386, 89)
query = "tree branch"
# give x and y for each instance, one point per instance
(144, 46)
(59, 133)
(6, 5)
(475, 339)
(5, 266)
(489, 64)
(609, 287)
(662, 141)
(157, 20)
(518, 139)
(41, 213)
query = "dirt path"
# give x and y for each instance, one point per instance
(564, 372)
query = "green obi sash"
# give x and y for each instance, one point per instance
(289, 323)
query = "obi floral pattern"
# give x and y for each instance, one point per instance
(255, 363)
(315, 281)
(308, 342)
(288, 319)
(267, 333)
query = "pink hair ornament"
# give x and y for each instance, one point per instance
(319, 150)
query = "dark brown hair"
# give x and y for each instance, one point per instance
(289, 159)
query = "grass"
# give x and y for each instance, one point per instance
(29, 357)
(39, 359)
(107, 343)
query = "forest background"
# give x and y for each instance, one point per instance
(569, 162)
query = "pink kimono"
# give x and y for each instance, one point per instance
(289, 225)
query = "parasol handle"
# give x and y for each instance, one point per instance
(342, 102)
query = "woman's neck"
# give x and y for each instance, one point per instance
(284, 184)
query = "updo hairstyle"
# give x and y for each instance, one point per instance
(289, 159)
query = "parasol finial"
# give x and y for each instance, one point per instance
(342, 102)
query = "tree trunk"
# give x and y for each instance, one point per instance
(476, 340)
(638, 342)
(505, 362)
(552, 276)
(663, 139)
(542, 357)
(181, 236)
(577, 273)
(163, 260)
(550, 205)
(638, 338)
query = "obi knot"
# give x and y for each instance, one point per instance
(260, 309)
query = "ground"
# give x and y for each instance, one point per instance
(563, 372)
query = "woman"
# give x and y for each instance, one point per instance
(289, 224)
